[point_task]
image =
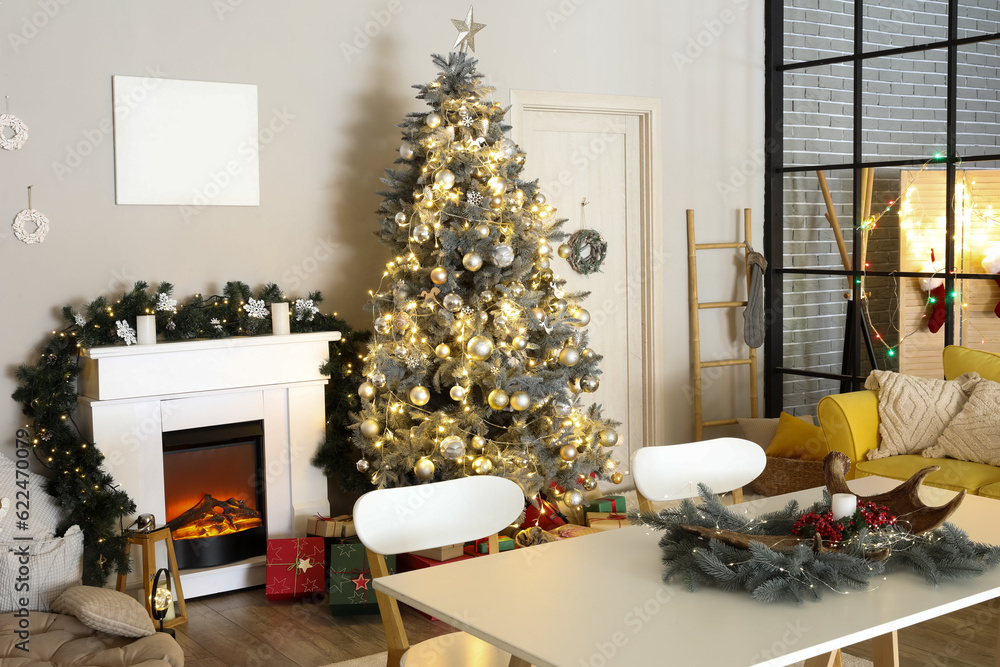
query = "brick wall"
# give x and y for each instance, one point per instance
(904, 102)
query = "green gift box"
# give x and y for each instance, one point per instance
(506, 544)
(350, 586)
(609, 504)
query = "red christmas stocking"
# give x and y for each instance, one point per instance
(937, 317)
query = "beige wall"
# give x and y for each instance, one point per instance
(335, 94)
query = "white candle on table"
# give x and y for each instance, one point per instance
(279, 318)
(145, 329)
(843, 505)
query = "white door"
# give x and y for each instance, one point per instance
(581, 150)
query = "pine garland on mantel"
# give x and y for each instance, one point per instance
(47, 393)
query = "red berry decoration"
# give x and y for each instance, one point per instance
(811, 523)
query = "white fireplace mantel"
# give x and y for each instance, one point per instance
(129, 396)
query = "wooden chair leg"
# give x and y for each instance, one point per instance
(392, 621)
(885, 650)
(645, 507)
(831, 659)
(518, 662)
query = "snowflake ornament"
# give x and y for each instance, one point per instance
(164, 302)
(255, 308)
(171, 325)
(414, 361)
(466, 119)
(80, 320)
(467, 310)
(305, 309)
(474, 198)
(216, 323)
(125, 332)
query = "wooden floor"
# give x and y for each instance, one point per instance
(244, 629)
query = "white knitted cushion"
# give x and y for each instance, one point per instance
(43, 513)
(974, 433)
(50, 566)
(105, 609)
(913, 411)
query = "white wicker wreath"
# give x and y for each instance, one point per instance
(30, 215)
(20, 132)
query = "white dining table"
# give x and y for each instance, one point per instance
(599, 600)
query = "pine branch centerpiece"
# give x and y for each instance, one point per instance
(47, 393)
(777, 556)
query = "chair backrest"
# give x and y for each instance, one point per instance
(410, 518)
(672, 472)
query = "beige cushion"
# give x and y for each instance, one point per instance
(106, 610)
(913, 411)
(974, 433)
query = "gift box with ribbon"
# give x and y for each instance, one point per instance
(506, 544)
(543, 514)
(351, 590)
(322, 526)
(615, 504)
(294, 567)
(345, 525)
(606, 520)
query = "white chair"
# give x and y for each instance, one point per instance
(391, 521)
(673, 472)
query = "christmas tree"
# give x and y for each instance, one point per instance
(479, 363)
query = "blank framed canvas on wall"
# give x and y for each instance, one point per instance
(187, 143)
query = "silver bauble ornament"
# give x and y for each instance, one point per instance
(452, 302)
(485, 298)
(519, 342)
(366, 390)
(442, 351)
(556, 306)
(500, 321)
(608, 437)
(406, 150)
(433, 119)
(484, 316)
(419, 395)
(503, 255)
(569, 356)
(483, 231)
(498, 399)
(567, 452)
(482, 466)
(421, 233)
(457, 393)
(439, 275)
(573, 498)
(400, 352)
(517, 290)
(589, 383)
(479, 348)
(402, 220)
(538, 199)
(520, 400)
(473, 261)
(427, 197)
(378, 379)
(478, 443)
(362, 465)
(452, 448)
(445, 179)
(544, 248)
(538, 314)
(561, 408)
(381, 325)
(370, 428)
(423, 468)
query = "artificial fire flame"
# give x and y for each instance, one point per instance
(211, 517)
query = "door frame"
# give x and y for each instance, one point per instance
(647, 110)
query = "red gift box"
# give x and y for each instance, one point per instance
(295, 567)
(543, 514)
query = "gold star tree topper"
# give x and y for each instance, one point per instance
(467, 30)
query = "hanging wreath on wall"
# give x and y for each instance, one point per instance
(587, 251)
(48, 395)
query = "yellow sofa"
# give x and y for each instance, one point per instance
(850, 423)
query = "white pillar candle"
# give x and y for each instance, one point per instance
(843, 505)
(145, 329)
(279, 318)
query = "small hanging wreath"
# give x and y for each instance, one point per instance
(38, 219)
(587, 251)
(17, 126)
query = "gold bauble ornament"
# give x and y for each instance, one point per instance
(478, 442)
(457, 393)
(498, 399)
(366, 390)
(582, 316)
(496, 201)
(439, 275)
(567, 452)
(370, 428)
(442, 351)
(545, 274)
(561, 408)
(473, 261)
(616, 478)
(445, 178)
(406, 150)
(538, 314)
(519, 342)
(544, 248)
(520, 400)
(574, 385)
(542, 263)
(479, 348)
(569, 356)
(589, 383)
(453, 302)
(587, 354)
(433, 119)
(556, 306)
(419, 395)
(564, 250)
(482, 466)
(608, 437)
(401, 219)
(362, 465)
(497, 184)
(421, 233)
(517, 290)
(573, 498)
(538, 199)
(590, 484)
(378, 379)
(483, 230)
(424, 468)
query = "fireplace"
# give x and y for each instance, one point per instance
(213, 488)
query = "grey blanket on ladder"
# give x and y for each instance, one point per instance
(753, 315)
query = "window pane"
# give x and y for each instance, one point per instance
(813, 32)
(977, 17)
(898, 23)
(904, 106)
(818, 115)
(978, 109)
